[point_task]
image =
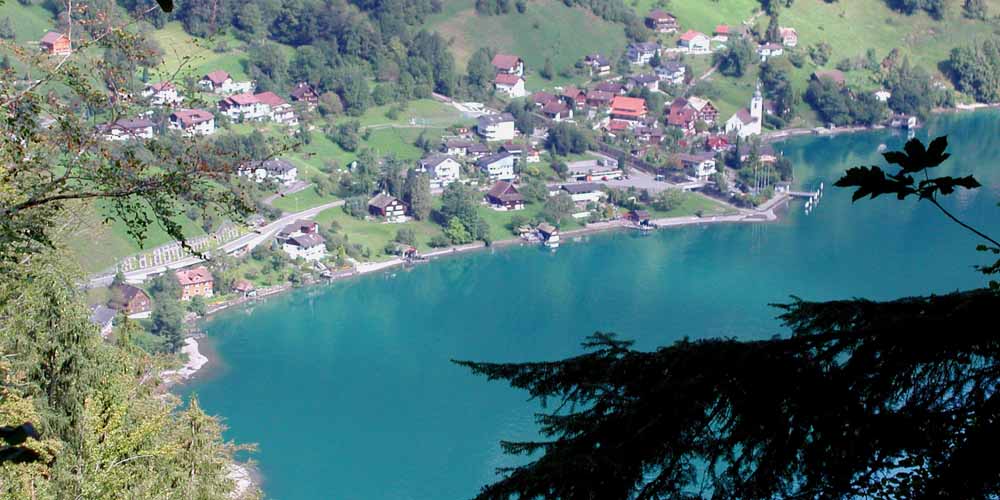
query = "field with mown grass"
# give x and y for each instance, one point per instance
(30, 22)
(375, 235)
(548, 29)
(186, 55)
(692, 204)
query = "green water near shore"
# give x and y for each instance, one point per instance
(349, 391)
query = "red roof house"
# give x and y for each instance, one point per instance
(628, 108)
(56, 44)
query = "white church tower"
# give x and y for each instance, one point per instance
(757, 105)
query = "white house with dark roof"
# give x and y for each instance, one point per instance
(671, 72)
(124, 129)
(584, 192)
(499, 166)
(162, 94)
(192, 122)
(104, 318)
(496, 127)
(701, 163)
(310, 247)
(442, 169)
(389, 207)
(642, 52)
(275, 169)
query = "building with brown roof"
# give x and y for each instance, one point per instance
(129, 299)
(195, 282)
(661, 21)
(506, 63)
(504, 196)
(389, 207)
(628, 108)
(193, 121)
(56, 44)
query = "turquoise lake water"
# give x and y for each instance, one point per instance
(348, 389)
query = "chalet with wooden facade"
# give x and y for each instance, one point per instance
(661, 22)
(504, 196)
(388, 207)
(56, 44)
(129, 299)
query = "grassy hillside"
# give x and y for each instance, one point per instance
(30, 22)
(548, 29)
(197, 56)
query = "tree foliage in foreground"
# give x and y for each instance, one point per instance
(864, 399)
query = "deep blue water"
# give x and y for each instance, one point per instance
(348, 388)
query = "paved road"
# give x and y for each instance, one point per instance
(248, 241)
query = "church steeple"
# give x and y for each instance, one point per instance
(757, 104)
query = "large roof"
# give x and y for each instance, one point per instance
(242, 99)
(52, 37)
(629, 106)
(505, 191)
(505, 61)
(217, 77)
(691, 35)
(270, 98)
(507, 79)
(381, 200)
(308, 240)
(194, 275)
(487, 120)
(189, 117)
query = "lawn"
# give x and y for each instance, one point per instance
(188, 55)
(547, 30)
(30, 22)
(97, 245)
(376, 235)
(424, 112)
(499, 221)
(302, 200)
(692, 204)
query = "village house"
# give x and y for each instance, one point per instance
(651, 135)
(245, 288)
(599, 98)
(661, 22)
(511, 65)
(193, 122)
(162, 94)
(584, 192)
(281, 111)
(56, 44)
(671, 72)
(557, 111)
(309, 247)
(499, 166)
(770, 49)
(695, 42)
(682, 116)
(721, 33)
(504, 196)
(598, 64)
(717, 143)
(591, 170)
(123, 129)
(304, 93)
(704, 109)
(882, 95)
(701, 164)
(244, 108)
(540, 98)
(573, 97)
(646, 81)
(642, 52)
(477, 150)
(765, 153)
(388, 207)
(129, 299)
(442, 169)
(630, 109)
(220, 82)
(297, 228)
(497, 127)
(275, 169)
(789, 37)
(834, 75)
(610, 87)
(195, 282)
(747, 122)
(510, 85)
(456, 147)
(104, 318)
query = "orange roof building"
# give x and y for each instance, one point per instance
(628, 108)
(195, 282)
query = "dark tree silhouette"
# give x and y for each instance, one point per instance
(893, 399)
